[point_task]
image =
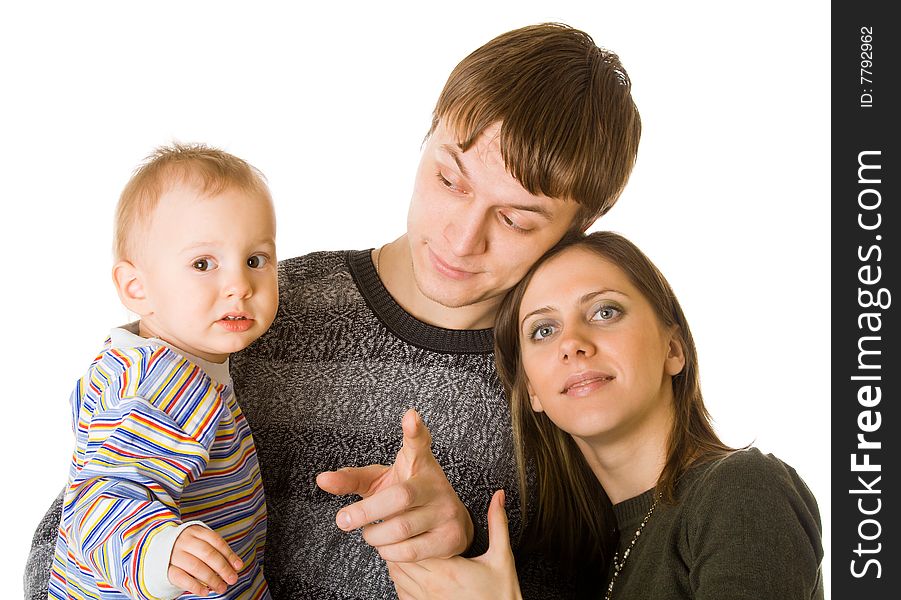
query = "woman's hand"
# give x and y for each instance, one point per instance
(491, 576)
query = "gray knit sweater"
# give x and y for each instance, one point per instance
(744, 527)
(325, 388)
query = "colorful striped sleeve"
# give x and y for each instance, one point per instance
(146, 418)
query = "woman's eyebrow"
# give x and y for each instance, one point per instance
(582, 300)
(540, 311)
(591, 295)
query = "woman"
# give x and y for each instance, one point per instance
(601, 372)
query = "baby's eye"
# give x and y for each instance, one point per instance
(204, 264)
(257, 261)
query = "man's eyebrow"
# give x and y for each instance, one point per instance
(455, 154)
(538, 209)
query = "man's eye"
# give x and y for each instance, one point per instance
(257, 261)
(204, 264)
(445, 182)
(512, 224)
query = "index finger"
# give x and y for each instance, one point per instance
(416, 435)
(381, 506)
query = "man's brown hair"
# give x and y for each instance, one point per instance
(569, 127)
(211, 170)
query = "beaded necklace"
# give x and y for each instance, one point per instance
(617, 564)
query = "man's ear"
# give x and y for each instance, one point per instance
(130, 287)
(533, 399)
(675, 355)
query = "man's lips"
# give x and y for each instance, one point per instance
(448, 270)
(585, 382)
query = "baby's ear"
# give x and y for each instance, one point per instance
(130, 286)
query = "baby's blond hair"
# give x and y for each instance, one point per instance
(211, 170)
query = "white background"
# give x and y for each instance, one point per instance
(730, 194)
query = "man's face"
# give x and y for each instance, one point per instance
(473, 230)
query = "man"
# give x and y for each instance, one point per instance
(534, 135)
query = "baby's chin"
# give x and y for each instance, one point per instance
(237, 346)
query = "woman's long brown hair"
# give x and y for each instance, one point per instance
(572, 516)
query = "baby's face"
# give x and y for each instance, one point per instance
(209, 271)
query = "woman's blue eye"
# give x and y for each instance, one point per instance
(542, 331)
(204, 264)
(257, 261)
(605, 313)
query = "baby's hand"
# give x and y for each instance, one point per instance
(202, 562)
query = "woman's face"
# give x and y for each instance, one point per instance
(597, 358)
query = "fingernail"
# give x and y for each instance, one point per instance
(238, 563)
(343, 520)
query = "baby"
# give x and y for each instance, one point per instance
(164, 493)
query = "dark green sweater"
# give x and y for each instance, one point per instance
(744, 527)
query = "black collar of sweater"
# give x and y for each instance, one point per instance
(406, 326)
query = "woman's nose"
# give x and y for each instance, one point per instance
(576, 343)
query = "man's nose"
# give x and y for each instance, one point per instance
(466, 233)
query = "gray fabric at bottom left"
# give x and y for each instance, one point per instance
(40, 557)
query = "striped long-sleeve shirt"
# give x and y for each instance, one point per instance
(160, 441)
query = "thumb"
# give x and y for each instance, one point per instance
(416, 435)
(498, 530)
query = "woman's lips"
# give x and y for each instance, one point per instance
(584, 383)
